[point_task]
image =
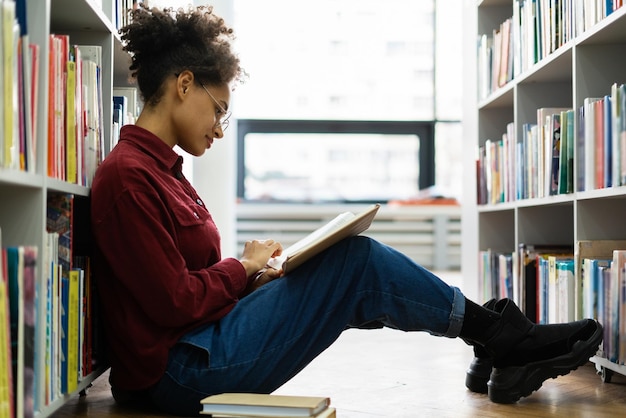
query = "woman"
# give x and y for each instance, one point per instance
(183, 323)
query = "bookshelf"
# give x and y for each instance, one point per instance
(586, 62)
(24, 193)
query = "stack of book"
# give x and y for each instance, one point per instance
(232, 405)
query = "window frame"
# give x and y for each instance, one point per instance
(425, 130)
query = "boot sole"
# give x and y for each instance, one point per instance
(478, 374)
(509, 384)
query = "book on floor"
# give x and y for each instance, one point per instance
(344, 225)
(326, 413)
(264, 405)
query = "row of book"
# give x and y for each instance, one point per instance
(46, 301)
(126, 108)
(121, 11)
(76, 143)
(74, 125)
(19, 77)
(538, 278)
(560, 283)
(70, 340)
(536, 29)
(538, 163)
(601, 151)
(75, 122)
(566, 150)
(17, 330)
(75, 112)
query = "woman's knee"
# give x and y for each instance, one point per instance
(361, 244)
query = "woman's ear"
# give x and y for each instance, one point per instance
(184, 82)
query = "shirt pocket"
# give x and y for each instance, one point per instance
(192, 215)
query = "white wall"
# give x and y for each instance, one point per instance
(214, 175)
(469, 233)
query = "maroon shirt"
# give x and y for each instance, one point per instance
(158, 264)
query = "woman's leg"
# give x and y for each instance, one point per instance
(276, 331)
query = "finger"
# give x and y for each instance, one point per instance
(278, 249)
(273, 273)
(264, 279)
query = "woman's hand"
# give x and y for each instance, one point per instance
(264, 276)
(257, 253)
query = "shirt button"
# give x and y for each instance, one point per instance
(196, 215)
(198, 201)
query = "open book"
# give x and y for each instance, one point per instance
(344, 225)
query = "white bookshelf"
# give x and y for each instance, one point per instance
(23, 195)
(585, 66)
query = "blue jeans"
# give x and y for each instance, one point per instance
(273, 333)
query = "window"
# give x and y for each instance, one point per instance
(336, 61)
(346, 161)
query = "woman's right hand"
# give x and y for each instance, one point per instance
(256, 254)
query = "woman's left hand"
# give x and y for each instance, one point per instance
(264, 276)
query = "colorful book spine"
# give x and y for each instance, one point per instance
(15, 256)
(607, 123)
(617, 277)
(72, 329)
(6, 369)
(70, 124)
(565, 290)
(30, 312)
(59, 219)
(64, 336)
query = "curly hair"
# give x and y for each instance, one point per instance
(163, 42)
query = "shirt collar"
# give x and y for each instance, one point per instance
(152, 145)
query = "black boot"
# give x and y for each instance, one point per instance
(525, 355)
(479, 370)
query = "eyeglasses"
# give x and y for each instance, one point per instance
(224, 116)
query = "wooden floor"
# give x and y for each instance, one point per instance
(388, 373)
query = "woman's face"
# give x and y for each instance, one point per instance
(198, 122)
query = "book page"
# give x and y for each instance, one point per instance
(318, 234)
(342, 226)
